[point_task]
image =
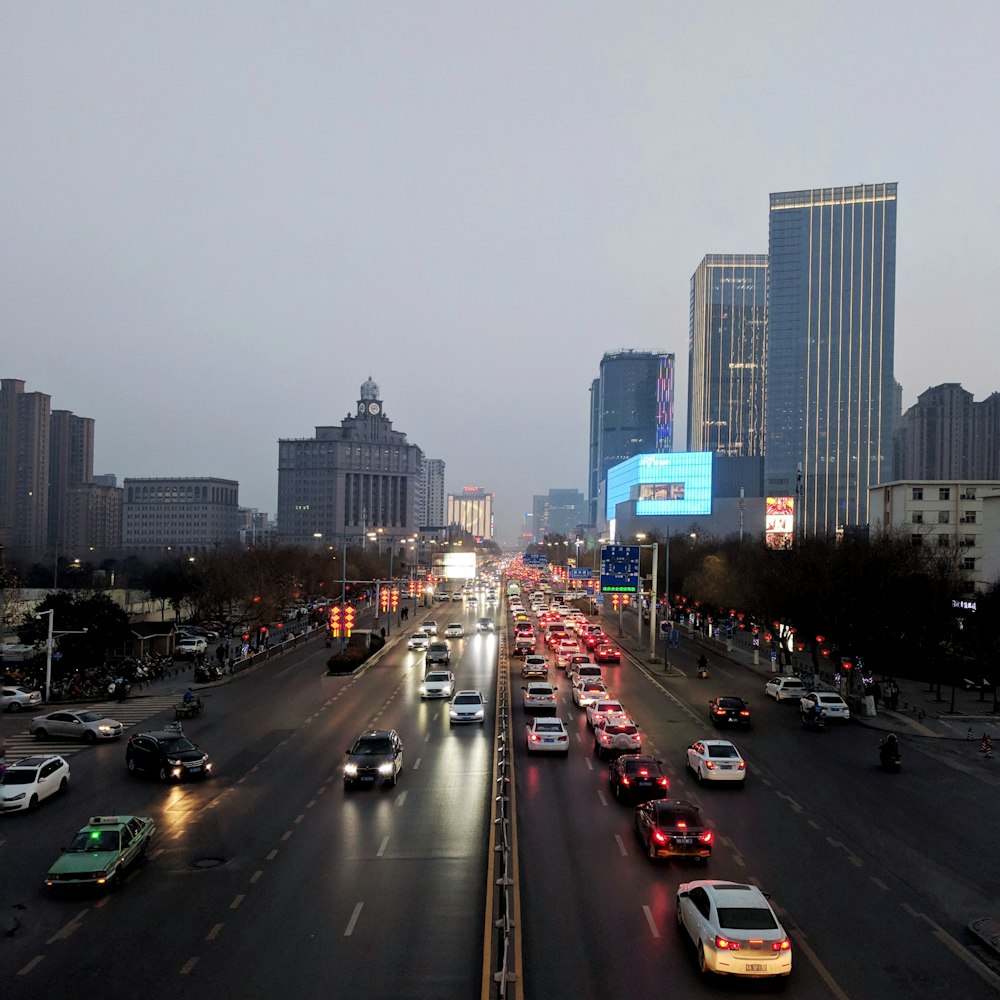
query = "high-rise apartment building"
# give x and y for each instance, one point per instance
(430, 493)
(632, 411)
(180, 516)
(24, 467)
(727, 355)
(71, 464)
(472, 511)
(349, 480)
(830, 339)
(93, 520)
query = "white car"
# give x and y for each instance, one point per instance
(534, 666)
(832, 704)
(418, 640)
(86, 725)
(467, 706)
(716, 760)
(585, 672)
(616, 734)
(585, 692)
(784, 688)
(455, 630)
(430, 627)
(438, 684)
(547, 735)
(601, 708)
(14, 699)
(486, 625)
(733, 928)
(190, 645)
(31, 780)
(539, 696)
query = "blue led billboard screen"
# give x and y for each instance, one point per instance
(674, 483)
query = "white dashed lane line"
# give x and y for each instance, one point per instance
(401, 798)
(353, 920)
(621, 845)
(382, 846)
(214, 932)
(649, 920)
(600, 795)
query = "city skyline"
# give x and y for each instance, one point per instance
(212, 236)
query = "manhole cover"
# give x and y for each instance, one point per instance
(207, 862)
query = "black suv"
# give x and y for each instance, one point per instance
(168, 754)
(672, 828)
(637, 777)
(729, 710)
(376, 757)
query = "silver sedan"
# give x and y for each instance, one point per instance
(85, 725)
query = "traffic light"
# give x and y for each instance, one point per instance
(335, 622)
(383, 598)
(625, 600)
(348, 620)
(246, 636)
(394, 598)
(614, 601)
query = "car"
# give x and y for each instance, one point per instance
(419, 640)
(523, 628)
(584, 692)
(190, 646)
(31, 780)
(594, 639)
(716, 760)
(442, 597)
(85, 724)
(672, 828)
(15, 699)
(547, 734)
(539, 696)
(438, 651)
(606, 653)
(600, 708)
(467, 706)
(454, 630)
(832, 704)
(585, 672)
(429, 626)
(614, 735)
(733, 929)
(728, 710)
(784, 688)
(101, 851)
(437, 684)
(457, 596)
(523, 645)
(375, 757)
(486, 625)
(637, 777)
(535, 666)
(168, 754)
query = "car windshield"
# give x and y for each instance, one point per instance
(20, 776)
(731, 702)
(437, 678)
(177, 744)
(467, 699)
(94, 840)
(724, 750)
(89, 716)
(548, 727)
(377, 745)
(747, 918)
(830, 699)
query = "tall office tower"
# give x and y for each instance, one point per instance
(24, 467)
(472, 511)
(727, 355)
(349, 480)
(933, 440)
(180, 516)
(430, 493)
(986, 438)
(558, 512)
(594, 451)
(830, 336)
(71, 463)
(633, 413)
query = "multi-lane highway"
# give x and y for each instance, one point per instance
(269, 879)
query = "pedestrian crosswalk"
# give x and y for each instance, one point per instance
(20, 743)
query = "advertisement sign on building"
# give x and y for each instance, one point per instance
(779, 522)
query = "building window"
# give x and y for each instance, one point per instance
(969, 563)
(944, 493)
(969, 494)
(917, 539)
(917, 517)
(968, 541)
(943, 541)
(918, 493)
(944, 516)
(969, 517)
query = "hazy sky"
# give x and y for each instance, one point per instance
(218, 218)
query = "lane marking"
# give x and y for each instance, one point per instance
(382, 846)
(256, 875)
(621, 845)
(236, 902)
(299, 818)
(880, 883)
(27, 968)
(417, 764)
(101, 903)
(801, 945)
(427, 738)
(600, 795)
(320, 791)
(353, 920)
(401, 798)
(579, 738)
(649, 920)
(590, 766)
(67, 929)
(214, 932)
(189, 965)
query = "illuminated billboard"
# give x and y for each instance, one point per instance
(455, 566)
(673, 483)
(779, 522)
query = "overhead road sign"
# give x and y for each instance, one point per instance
(620, 569)
(537, 559)
(580, 572)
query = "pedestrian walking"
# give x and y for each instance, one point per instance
(986, 747)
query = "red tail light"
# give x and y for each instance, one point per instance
(625, 780)
(562, 739)
(706, 837)
(662, 782)
(724, 944)
(659, 837)
(533, 737)
(743, 711)
(682, 823)
(743, 765)
(710, 764)
(644, 773)
(783, 945)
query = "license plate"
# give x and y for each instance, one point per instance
(368, 777)
(683, 841)
(548, 739)
(755, 967)
(195, 770)
(644, 783)
(725, 767)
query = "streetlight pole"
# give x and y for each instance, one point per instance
(52, 634)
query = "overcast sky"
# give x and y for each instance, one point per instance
(217, 219)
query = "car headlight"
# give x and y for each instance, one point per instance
(176, 772)
(16, 798)
(104, 729)
(208, 765)
(174, 763)
(351, 769)
(385, 768)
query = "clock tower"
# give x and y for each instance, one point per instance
(369, 404)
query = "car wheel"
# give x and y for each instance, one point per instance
(40, 734)
(698, 776)
(702, 962)
(63, 784)
(162, 774)
(33, 803)
(131, 765)
(15, 706)
(89, 737)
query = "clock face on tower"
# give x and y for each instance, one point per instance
(373, 409)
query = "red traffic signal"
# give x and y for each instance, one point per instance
(383, 598)
(246, 637)
(335, 621)
(614, 601)
(394, 598)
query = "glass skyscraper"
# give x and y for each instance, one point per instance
(727, 355)
(830, 332)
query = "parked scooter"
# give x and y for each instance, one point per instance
(889, 756)
(813, 718)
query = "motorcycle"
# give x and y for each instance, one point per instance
(889, 756)
(816, 721)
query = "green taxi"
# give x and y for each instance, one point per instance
(101, 851)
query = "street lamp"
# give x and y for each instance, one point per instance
(52, 634)
(655, 546)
